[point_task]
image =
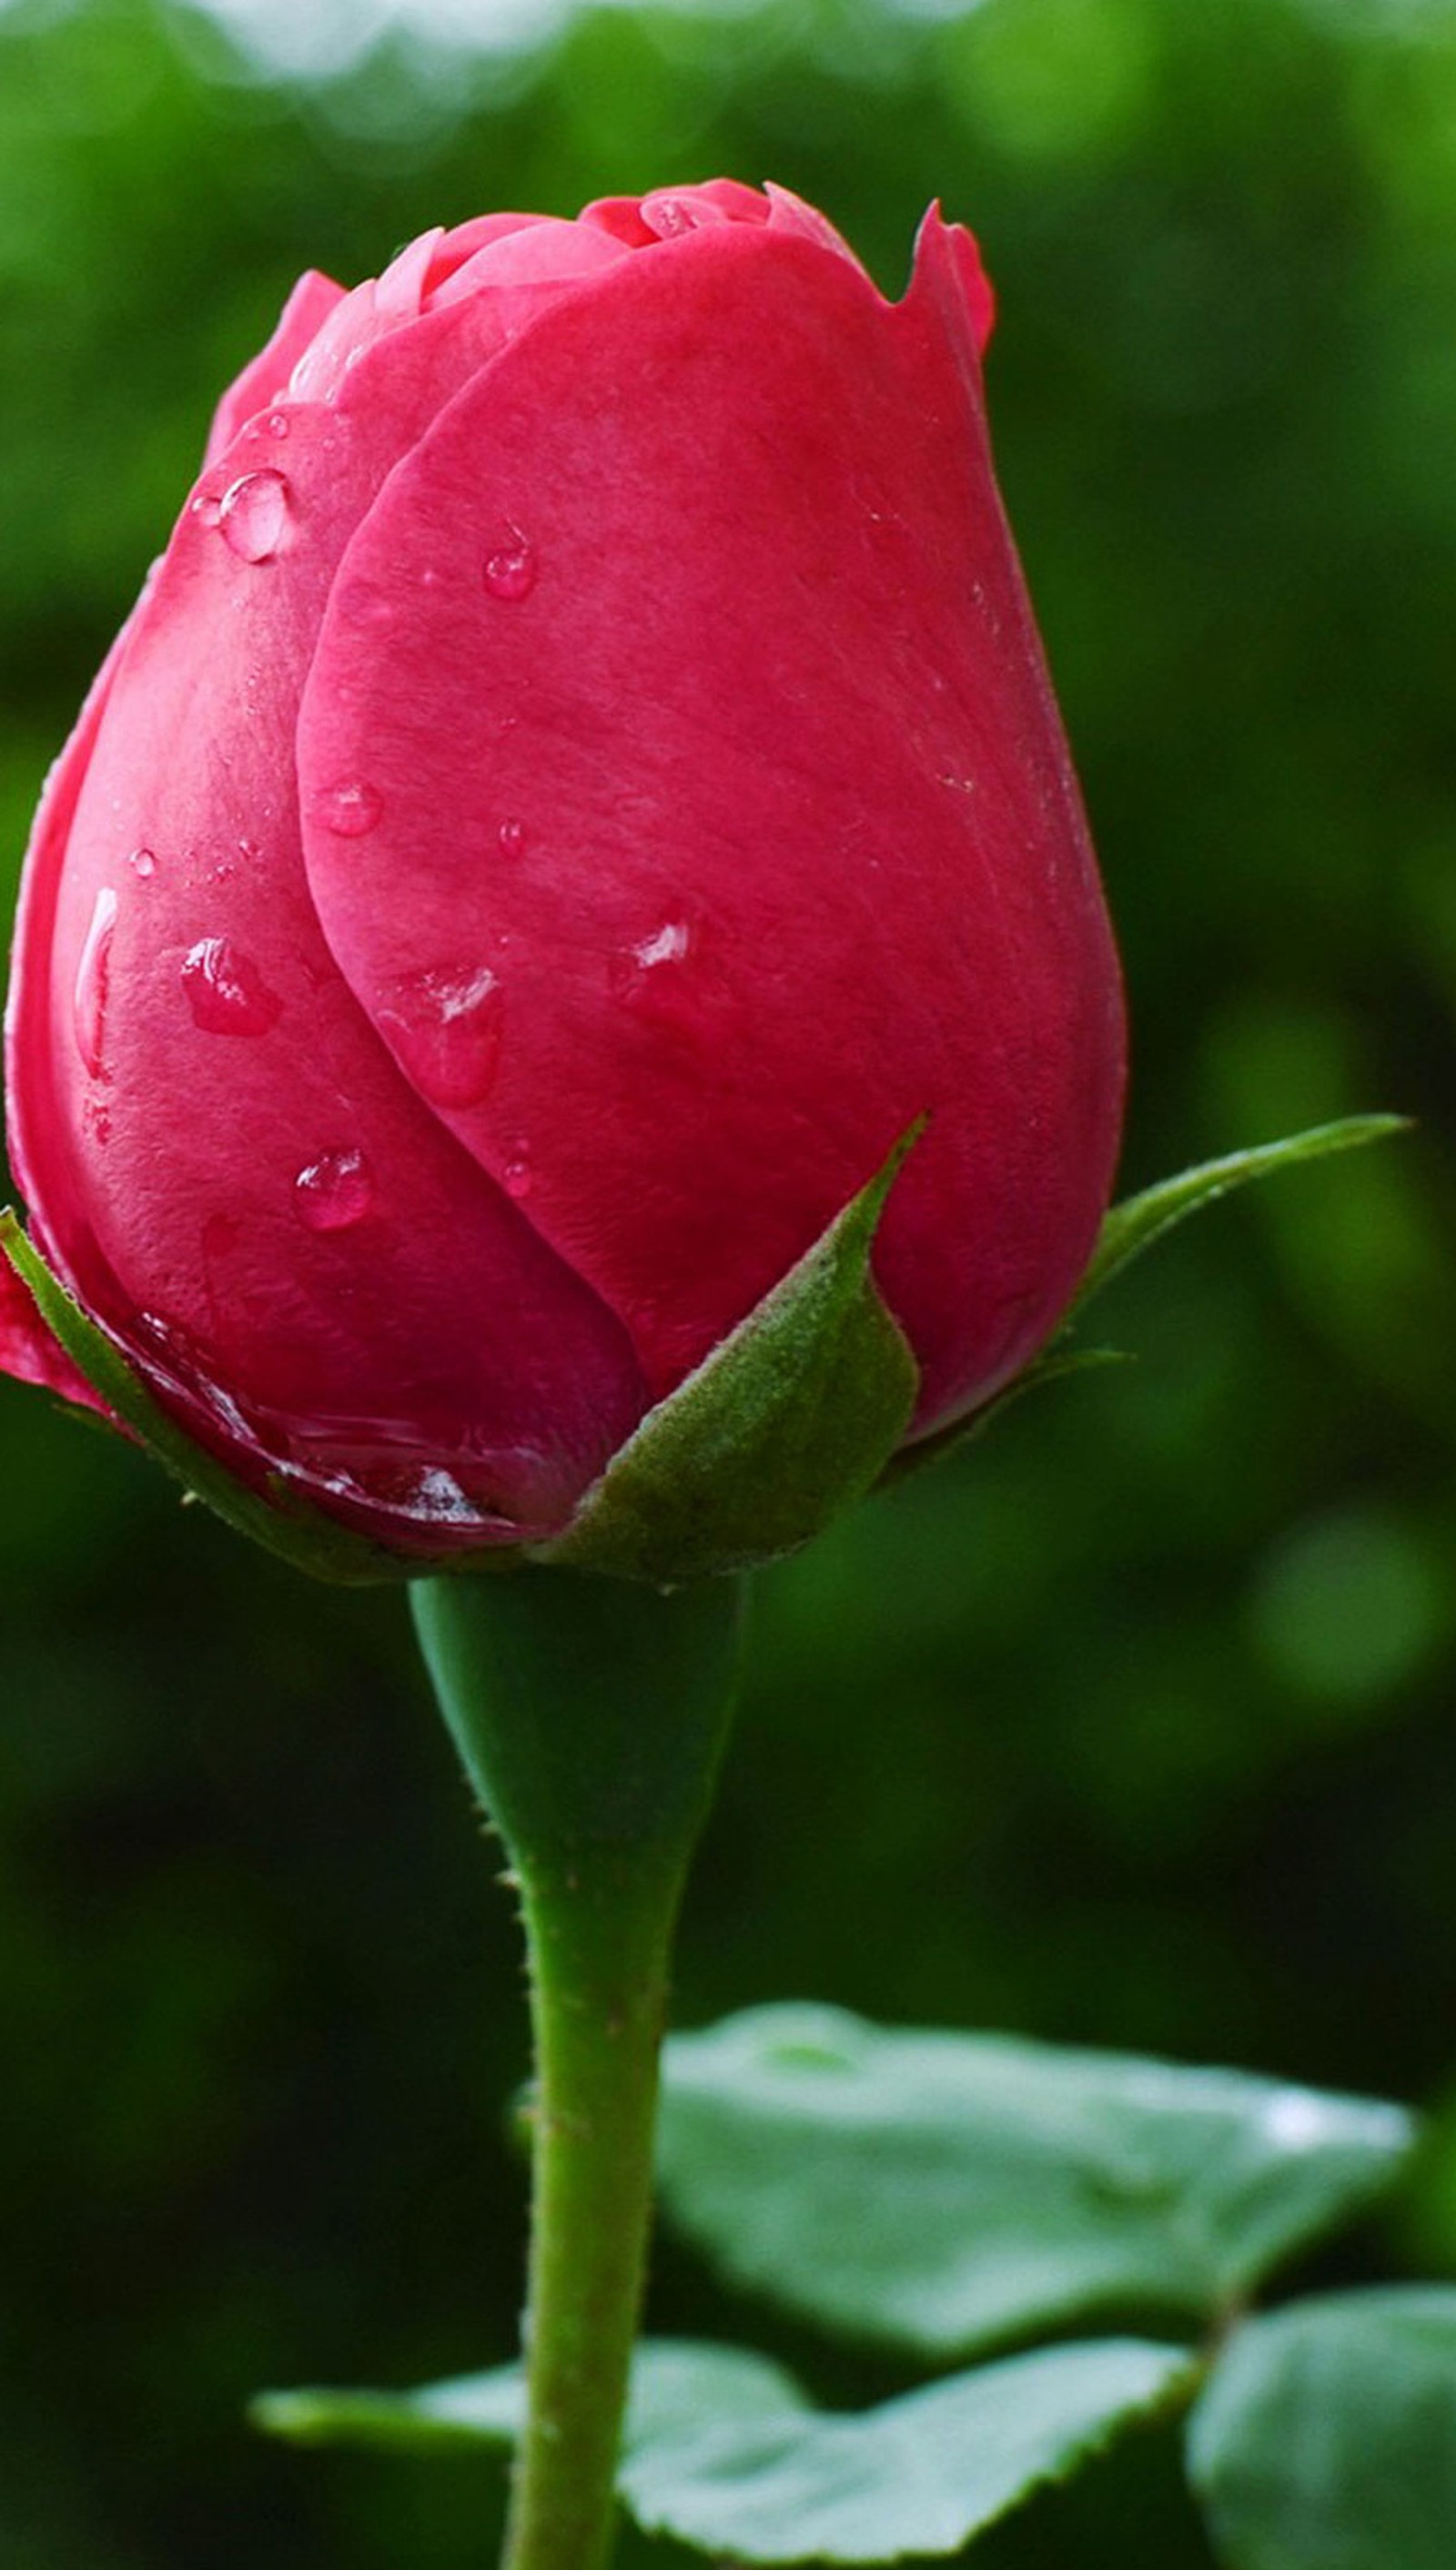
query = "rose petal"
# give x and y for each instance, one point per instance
(464, 239)
(29, 1352)
(344, 1339)
(545, 253)
(723, 710)
(266, 379)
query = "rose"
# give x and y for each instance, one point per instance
(581, 781)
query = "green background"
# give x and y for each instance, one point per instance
(1133, 1726)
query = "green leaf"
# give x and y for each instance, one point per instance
(723, 2451)
(679, 2387)
(296, 1532)
(1132, 1227)
(787, 1421)
(921, 2474)
(1327, 2437)
(943, 2192)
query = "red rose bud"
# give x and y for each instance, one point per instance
(581, 785)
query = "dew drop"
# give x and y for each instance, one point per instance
(175, 1350)
(445, 1028)
(512, 838)
(436, 1498)
(510, 572)
(667, 945)
(225, 992)
(516, 1178)
(143, 864)
(638, 976)
(277, 423)
(335, 1191)
(350, 811)
(253, 517)
(206, 505)
(93, 980)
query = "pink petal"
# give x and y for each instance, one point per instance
(789, 214)
(544, 253)
(462, 242)
(949, 277)
(29, 1352)
(404, 283)
(265, 380)
(622, 217)
(718, 770)
(221, 1229)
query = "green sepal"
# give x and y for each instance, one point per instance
(1134, 1226)
(790, 1420)
(283, 1526)
(1126, 1230)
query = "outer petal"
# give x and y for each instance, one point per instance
(266, 379)
(27, 1348)
(718, 761)
(294, 1225)
(544, 253)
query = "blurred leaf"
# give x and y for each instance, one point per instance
(679, 2385)
(1327, 2437)
(723, 2451)
(940, 2192)
(921, 2474)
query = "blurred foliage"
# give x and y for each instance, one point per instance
(1131, 1725)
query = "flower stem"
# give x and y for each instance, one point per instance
(589, 1715)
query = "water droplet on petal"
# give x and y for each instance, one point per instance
(445, 1027)
(277, 423)
(207, 507)
(512, 838)
(143, 864)
(177, 1352)
(667, 945)
(510, 570)
(516, 1178)
(93, 982)
(435, 1496)
(225, 992)
(335, 1191)
(638, 975)
(350, 811)
(254, 519)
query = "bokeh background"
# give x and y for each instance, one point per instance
(1133, 1725)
